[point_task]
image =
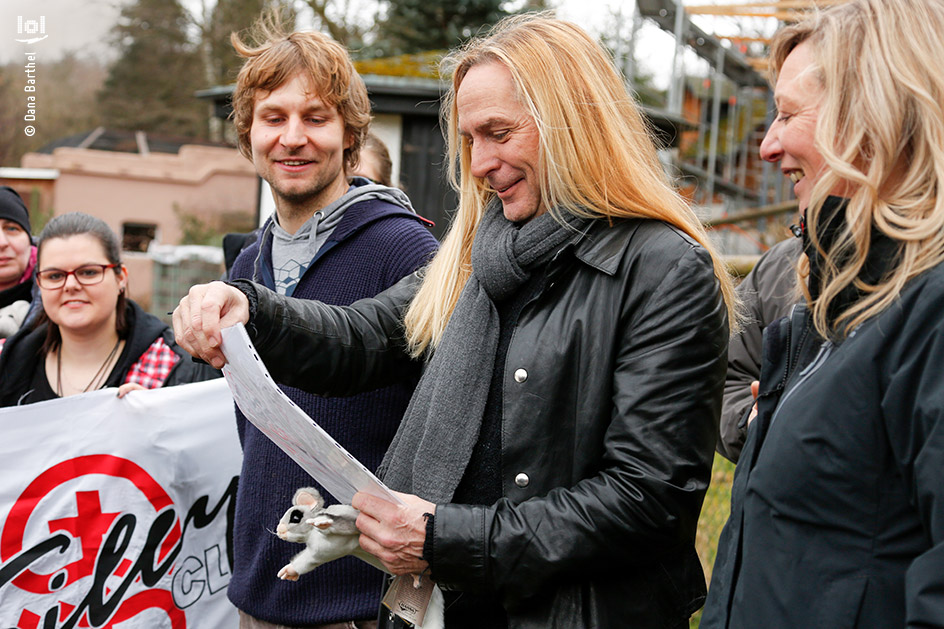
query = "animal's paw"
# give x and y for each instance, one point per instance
(321, 522)
(288, 573)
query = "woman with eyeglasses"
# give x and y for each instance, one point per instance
(90, 335)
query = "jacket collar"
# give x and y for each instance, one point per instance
(358, 216)
(604, 245)
(366, 212)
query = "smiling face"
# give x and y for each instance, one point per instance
(790, 138)
(298, 144)
(14, 253)
(502, 137)
(76, 308)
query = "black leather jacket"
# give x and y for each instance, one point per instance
(615, 376)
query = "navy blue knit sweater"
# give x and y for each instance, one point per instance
(375, 244)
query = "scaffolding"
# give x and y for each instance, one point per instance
(720, 169)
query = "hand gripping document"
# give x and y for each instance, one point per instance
(281, 420)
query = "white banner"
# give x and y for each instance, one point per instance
(119, 513)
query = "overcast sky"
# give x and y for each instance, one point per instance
(84, 24)
(80, 25)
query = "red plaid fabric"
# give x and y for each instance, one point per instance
(154, 366)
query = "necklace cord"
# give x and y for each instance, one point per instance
(98, 374)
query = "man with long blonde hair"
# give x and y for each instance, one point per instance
(572, 335)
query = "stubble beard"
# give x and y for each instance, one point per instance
(300, 201)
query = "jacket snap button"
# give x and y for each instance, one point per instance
(521, 375)
(522, 480)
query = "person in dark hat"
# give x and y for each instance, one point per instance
(17, 259)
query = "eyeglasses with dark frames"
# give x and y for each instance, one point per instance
(86, 275)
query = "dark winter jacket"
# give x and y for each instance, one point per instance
(21, 354)
(20, 292)
(837, 515)
(15, 305)
(27, 292)
(767, 294)
(374, 245)
(614, 377)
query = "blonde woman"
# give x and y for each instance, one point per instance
(572, 334)
(837, 517)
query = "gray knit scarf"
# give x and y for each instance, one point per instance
(434, 442)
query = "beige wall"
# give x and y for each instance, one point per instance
(140, 277)
(129, 187)
(30, 189)
(389, 128)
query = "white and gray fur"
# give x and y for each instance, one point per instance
(330, 533)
